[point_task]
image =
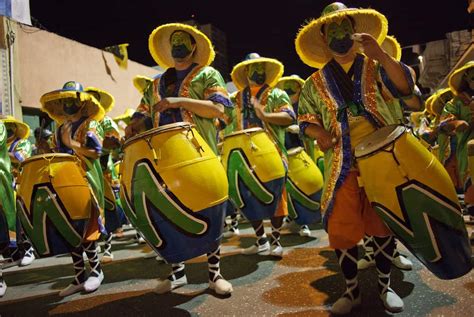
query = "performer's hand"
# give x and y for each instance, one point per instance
(259, 108)
(168, 103)
(326, 140)
(134, 127)
(370, 46)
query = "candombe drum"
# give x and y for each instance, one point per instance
(255, 171)
(413, 194)
(54, 202)
(7, 212)
(174, 190)
(303, 185)
(470, 157)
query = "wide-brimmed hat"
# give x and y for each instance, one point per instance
(141, 83)
(273, 70)
(392, 47)
(160, 46)
(310, 44)
(429, 104)
(22, 129)
(455, 79)
(295, 78)
(126, 116)
(440, 98)
(52, 102)
(106, 100)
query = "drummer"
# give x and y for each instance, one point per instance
(7, 203)
(259, 104)
(77, 113)
(457, 120)
(19, 149)
(110, 134)
(191, 91)
(340, 105)
(292, 86)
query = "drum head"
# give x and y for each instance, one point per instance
(50, 156)
(245, 131)
(470, 148)
(378, 140)
(295, 151)
(161, 129)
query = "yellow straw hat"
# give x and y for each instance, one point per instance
(160, 46)
(126, 116)
(295, 78)
(441, 97)
(22, 129)
(141, 83)
(106, 100)
(52, 102)
(415, 117)
(273, 70)
(455, 80)
(392, 47)
(310, 43)
(429, 104)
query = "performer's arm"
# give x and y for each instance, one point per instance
(202, 108)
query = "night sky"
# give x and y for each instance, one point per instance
(266, 27)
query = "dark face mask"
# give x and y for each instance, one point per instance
(290, 92)
(341, 46)
(10, 133)
(259, 79)
(339, 37)
(180, 51)
(71, 108)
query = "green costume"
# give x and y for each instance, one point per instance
(7, 201)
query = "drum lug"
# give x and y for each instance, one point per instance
(253, 146)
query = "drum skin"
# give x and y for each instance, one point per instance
(55, 185)
(255, 171)
(412, 192)
(174, 190)
(304, 184)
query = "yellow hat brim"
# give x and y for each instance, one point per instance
(299, 80)
(141, 83)
(22, 129)
(52, 104)
(429, 104)
(273, 71)
(107, 101)
(160, 46)
(392, 47)
(311, 46)
(440, 98)
(455, 79)
(126, 116)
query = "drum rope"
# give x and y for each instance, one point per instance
(155, 156)
(194, 141)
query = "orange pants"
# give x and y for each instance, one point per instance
(451, 166)
(352, 216)
(282, 208)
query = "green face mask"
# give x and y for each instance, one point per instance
(181, 44)
(338, 36)
(257, 73)
(290, 87)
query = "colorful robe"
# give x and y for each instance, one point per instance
(7, 201)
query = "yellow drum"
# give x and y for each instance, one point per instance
(255, 171)
(54, 202)
(303, 185)
(174, 190)
(412, 192)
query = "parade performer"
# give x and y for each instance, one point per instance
(260, 104)
(340, 105)
(78, 114)
(7, 202)
(190, 91)
(292, 85)
(113, 212)
(457, 121)
(19, 149)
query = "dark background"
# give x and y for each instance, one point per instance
(266, 27)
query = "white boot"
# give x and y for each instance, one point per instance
(392, 302)
(166, 286)
(3, 287)
(261, 249)
(93, 282)
(345, 304)
(29, 257)
(221, 286)
(402, 262)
